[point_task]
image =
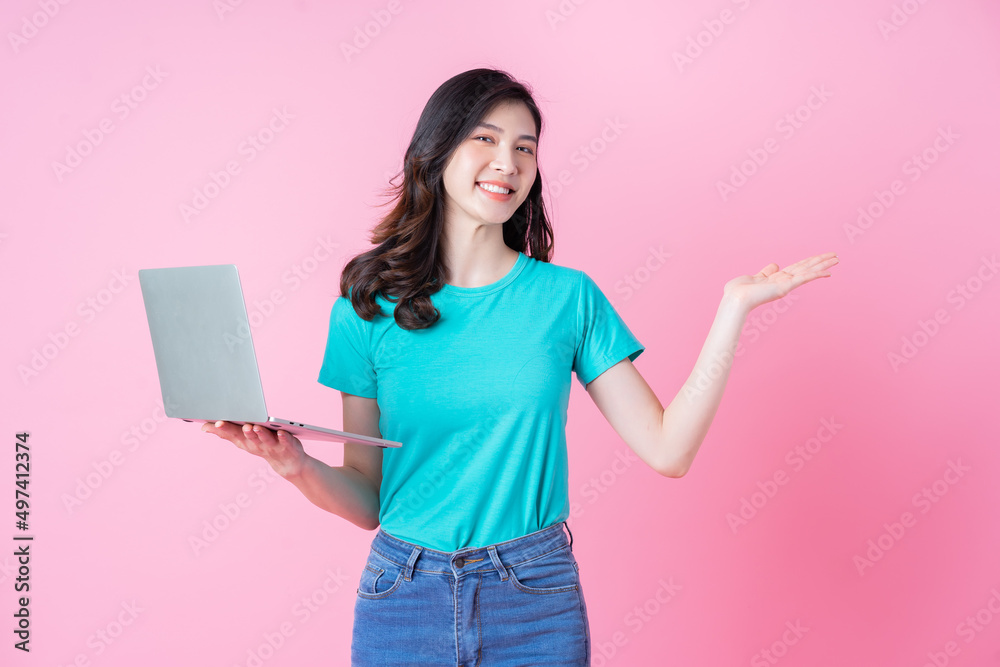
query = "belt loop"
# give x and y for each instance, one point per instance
(496, 562)
(408, 573)
(570, 535)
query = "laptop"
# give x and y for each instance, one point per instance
(205, 356)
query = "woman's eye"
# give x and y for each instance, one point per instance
(526, 149)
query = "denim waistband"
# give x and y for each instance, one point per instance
(472, 559)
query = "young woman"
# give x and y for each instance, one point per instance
(456, 336)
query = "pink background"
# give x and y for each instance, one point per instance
(660, 135)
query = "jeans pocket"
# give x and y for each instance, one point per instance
(555, 572)
(380, 577)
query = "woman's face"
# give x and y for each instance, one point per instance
(500, 152)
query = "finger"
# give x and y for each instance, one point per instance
(266, 441)
(257, 435)
(816, 270)
(768, 270)
(277, 446)
(210, 427)
(799, 266)
(827, 263)
(807, 277)
(223, 429)
(813, 262)
(265, 435)
(234, 434)
(286, 438)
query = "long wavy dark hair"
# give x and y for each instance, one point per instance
(406, 265)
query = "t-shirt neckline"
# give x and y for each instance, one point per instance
(492, 287)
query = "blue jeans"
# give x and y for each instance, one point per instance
(515, 603)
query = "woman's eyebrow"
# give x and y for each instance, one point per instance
(488, 126)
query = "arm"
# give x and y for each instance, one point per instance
(362, 464)
(350, 491)
(667, 440)
(342, 490)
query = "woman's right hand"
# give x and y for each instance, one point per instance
(282, 451)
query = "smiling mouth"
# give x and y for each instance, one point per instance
(497, 190)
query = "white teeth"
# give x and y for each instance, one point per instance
(493, 188)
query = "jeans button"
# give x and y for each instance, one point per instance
(459, 562)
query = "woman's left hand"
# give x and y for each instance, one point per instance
(771, 284)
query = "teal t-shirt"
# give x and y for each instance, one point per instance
(478, 400)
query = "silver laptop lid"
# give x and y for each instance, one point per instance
(201, 339)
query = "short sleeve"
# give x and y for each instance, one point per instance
(603, 339)
(347, 364)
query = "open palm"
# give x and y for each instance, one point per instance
(771, 284)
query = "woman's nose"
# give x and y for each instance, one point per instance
(504, 162)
